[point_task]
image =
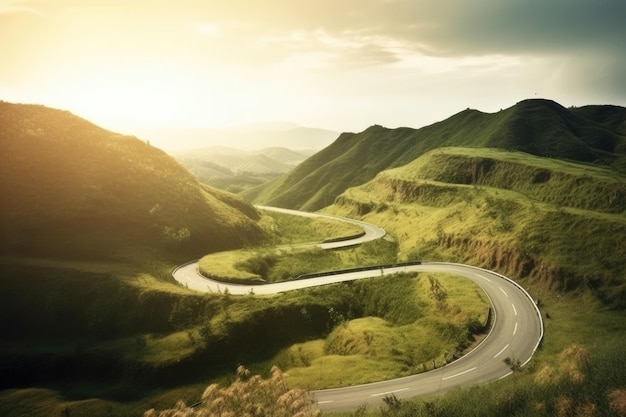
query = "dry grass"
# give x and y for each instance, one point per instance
(617, 401)
(247, 396)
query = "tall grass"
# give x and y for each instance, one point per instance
(579, 370)
(405, 328)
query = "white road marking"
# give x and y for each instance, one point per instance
(389, 392)
(514, 309)
(459, 374)
(324, 402)
(503, 349)
(515, 329)
(504, 376)
(504, 292)
(480, 276)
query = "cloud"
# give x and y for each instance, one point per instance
(363, 56)
(447, 26)
(516, 26)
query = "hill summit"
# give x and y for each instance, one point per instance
(71, 188)
(591, 134)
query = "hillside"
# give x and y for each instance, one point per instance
(590, 134)
(559, 224)
(73, 189)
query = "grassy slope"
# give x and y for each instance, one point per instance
(65, 177)
(289, 254)
(557, 228)
(526, 216)
(159, 302)
(406, 330)
(539, 127)
(92, 223)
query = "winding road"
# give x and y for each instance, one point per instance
(516, 332)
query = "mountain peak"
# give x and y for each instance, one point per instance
(537, 126)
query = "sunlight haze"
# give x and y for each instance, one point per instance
(338, 65)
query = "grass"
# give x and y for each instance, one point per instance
(297, 255)
(293, 230)
(105, 193)
(188, 351)
(575, 325)
(504, 229)
(125, 339)
(376, 349)
(552, 181)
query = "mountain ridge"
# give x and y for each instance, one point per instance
(536, 126)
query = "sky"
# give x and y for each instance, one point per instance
(341, 65)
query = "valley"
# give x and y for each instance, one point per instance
(95, 324)
(530, 332)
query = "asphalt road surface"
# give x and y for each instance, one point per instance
(517, 330)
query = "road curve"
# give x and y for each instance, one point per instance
(517, 330)
(371, 232)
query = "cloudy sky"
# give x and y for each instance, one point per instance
(337, 64)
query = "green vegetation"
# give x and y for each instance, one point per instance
(592, 134)
(484, 210)
(287, 229)
(410, 326)
(579, 370)
(109, 196)
(561, 183)
(272, 264)
(133, 345)
(93, 323)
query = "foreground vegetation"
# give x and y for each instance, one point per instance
(248, 396)
(579, 371)
(135, 343)
(157, 342)
(409, 326)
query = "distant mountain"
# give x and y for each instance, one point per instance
(262, 164)
(590, 134)
(236, 169)
(73, 189)
(266, 160)
(251, 137)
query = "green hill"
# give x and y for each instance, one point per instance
(591, 134)
(557, 223)
(70, 188)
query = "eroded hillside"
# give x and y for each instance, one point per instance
(559, 223)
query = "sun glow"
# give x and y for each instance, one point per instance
(122, 98)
